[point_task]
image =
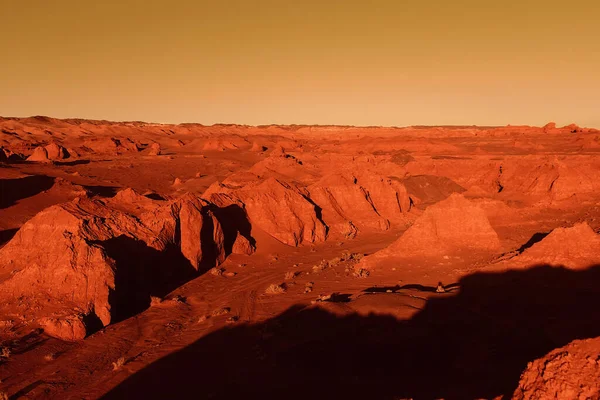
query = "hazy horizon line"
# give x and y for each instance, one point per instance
(294, 124)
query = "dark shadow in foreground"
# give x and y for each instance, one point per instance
(141, 272)
(102, 191)
(13, 190)
(7, 234)
(472, 344)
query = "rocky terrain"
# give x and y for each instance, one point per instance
(144, 260)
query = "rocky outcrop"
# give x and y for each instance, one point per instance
(365, 201)
(56, 152)
(451, 226)
(82, 255)
(242, 246)
(192, 222)
(280, 209)
(575, 246)
(570, 372)
(258, 147)
(343, 204)
(69, 328)
(109, 145)
(40, 154)
(284, 212)
(155, 149)
(550, 180)
(7, 155)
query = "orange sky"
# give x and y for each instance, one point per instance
(303, 61)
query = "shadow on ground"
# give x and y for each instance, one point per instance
(142, 271)
(7, 234)
(471, 344)
(13, 190)
(101, 191)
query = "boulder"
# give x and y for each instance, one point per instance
(191, 220)
(242, 246)
(569, 372)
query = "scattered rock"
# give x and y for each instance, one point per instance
(324, 264)
(179, 299)
(308, 287)
(117, 365)
(221, 311)
(155, 301)
(276, 289)
(290, 275)
(361, 273)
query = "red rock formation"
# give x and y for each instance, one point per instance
(550, 180)
(242, 246)
(191, 220)
(284, 212)
(154, 149)
(366, 200)
(570, 372)
(7, 155)
(56, 152)
(576, 246)
(550, 128)
(69, 328)
(280, 209)
(110, 145)
(257, 147)
(40, 154)
(454, 224)
(61, 253)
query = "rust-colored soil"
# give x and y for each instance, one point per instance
(222, 262)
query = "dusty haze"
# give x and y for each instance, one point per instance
(260, 62)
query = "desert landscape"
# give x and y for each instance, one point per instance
(317, 199)
(143, 260)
